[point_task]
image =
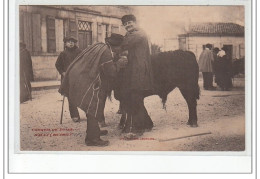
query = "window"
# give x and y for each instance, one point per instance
(84, 34)
(84, 26)
(241, 50)
(51, 34)
(57, 29)
(30, 31)
(102, 32)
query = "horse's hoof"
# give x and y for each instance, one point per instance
(192, 125)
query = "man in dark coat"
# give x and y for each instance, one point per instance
(64, 60)
(26, 74)
(224, 70)
(88, 81)
(137, 80)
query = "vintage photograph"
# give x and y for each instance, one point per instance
(132, 78)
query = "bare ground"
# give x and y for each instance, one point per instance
(221, 115)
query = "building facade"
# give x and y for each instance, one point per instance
(42, 29)
(218, 34)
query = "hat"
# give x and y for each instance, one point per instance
(216, 50)
(115, 39)
(127, 18)
(208, 46)
(72, 38)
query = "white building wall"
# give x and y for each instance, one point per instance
(195, 44)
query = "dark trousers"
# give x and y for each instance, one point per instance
(137, 118)
(207, 79)
(224, 80)
(93, 130)
(73, 111)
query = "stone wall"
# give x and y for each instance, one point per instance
(44, 68)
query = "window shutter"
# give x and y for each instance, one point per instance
(115, 29)
(36, 35)
(73, 27)
(51, 38)
(21, 26)
(99, 32)
(27, 23)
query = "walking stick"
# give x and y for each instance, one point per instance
(61, 116)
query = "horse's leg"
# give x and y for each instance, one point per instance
(191, 100)
(123, 116)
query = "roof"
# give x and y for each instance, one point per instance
(216, 29)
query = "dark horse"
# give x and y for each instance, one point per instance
(176, 69)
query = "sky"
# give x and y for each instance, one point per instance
(165, 21)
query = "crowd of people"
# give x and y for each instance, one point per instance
(216, 62)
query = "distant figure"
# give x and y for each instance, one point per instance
(206, 60)
(215, 55)
(64, 60)
(26, 74)
(223, 70)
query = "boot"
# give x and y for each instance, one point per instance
(96, 142)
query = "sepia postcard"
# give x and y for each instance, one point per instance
(152, 80)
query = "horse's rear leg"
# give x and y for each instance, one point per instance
(191, 100)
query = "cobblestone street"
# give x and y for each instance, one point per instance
(221, 114)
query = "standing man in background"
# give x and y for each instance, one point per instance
(206, 61)
(137, 83)
(64, 60)
(26, 74)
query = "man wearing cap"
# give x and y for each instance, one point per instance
(89, 80)
(64, 60)
(137, 83)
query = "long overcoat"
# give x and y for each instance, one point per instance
(66, 58)
(26, 75)
(88, 79)
(138, 72)
(206, 61)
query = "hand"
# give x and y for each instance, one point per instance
(122, 62)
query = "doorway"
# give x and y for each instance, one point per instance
(229, 51)
(85, 39)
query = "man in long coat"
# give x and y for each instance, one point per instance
(64, 60)
(26, 74)
(205, 62)
(88, 81)
(137, 80)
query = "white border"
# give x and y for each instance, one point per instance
(113, 163)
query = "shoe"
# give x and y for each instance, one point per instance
(75, 119)
(97, 142)
(130, 136)
(212, 88)
(103, 132)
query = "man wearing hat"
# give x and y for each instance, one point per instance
(64, 60)
(205, 63)
(89, 80)
(138, 79)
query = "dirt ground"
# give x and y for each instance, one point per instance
(221, 120)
